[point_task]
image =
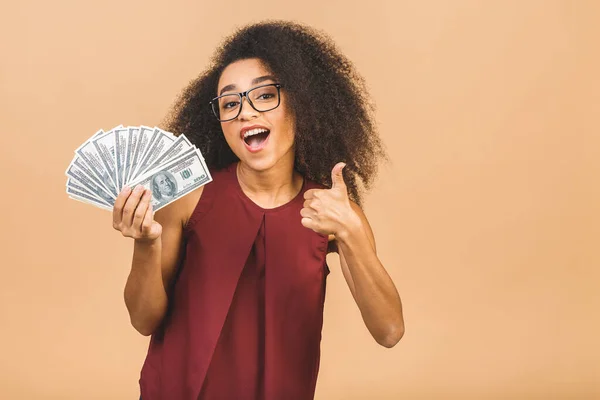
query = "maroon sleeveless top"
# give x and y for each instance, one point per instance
(246, 310)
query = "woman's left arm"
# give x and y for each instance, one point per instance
(370, 285)
(331, 212)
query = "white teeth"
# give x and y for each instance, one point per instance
(254, 132)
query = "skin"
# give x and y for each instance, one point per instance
(268, 178)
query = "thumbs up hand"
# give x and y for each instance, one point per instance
(329, 211)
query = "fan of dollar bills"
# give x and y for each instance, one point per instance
(170, 166)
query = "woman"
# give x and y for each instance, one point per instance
(230, 279)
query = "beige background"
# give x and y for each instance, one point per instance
(487, 217)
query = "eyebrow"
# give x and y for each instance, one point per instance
(255, 81)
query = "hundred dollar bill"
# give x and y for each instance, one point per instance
(120, 147)
(84, 198)
(140, 148)
(180, 146)
(156, 132)
(98, 172)
(133, 133)
(105, 146)
(133, 138)
(76, 171)
(160, 142)
(175, 179)
(87, 171)
(74, 189)
(77, 186)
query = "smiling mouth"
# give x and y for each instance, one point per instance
(256, 137)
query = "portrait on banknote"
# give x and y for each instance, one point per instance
(164, 186)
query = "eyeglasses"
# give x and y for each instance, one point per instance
(262, 98)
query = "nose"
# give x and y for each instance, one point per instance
(247, 112)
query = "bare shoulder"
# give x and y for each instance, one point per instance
(179, 211)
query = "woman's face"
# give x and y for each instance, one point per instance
(261, 140)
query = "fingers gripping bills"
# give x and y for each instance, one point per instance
(167, 165)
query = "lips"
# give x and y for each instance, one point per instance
(255, 137)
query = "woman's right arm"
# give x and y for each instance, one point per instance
(156, 253)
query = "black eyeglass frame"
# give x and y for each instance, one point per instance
(241, 95)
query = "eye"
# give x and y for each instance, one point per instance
(230, 104)
(266, 96)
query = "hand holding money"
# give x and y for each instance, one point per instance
(165, 167)
(133, 214)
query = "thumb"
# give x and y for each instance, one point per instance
(337, 178)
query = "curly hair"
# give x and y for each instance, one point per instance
(327, 97)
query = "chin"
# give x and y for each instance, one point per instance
(259, 164)
(265, 159)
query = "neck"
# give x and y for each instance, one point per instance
(270, 188)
